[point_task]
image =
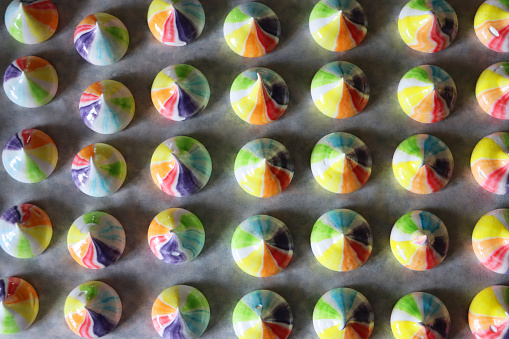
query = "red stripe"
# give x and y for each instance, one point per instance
(438, 108)
(496, 259)
(169, 179)
(168, 109)
(434, 183)
(84, 329)
(356, 33)
(82, 29)
(169, 31)
(88, 258)
(494, 179)
(265, 40)
(273, 110)
(498, 42)
(363, 330)
(282, 258)
(437, 36)
(79, 161)
(280, 331)
(43, 5)
(500, 108)
(431, 261)
(89, 97)
(359, 101)
(282, 176)
(361, 251)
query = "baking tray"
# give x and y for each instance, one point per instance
(139, 277)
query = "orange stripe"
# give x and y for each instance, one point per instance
(350, 260)
(157, 21)
(259, 114)
(96, 88)
(423, 42)
(156, 228)
(269, 266)
(488, 247)
(349, 183)
(345, 106)
(424, 108)
(486, 167)
(420, 182)
(418, 261)
(487, 99)
(344, 40)
(270, 183)
(485, 29)
(75, 320)
(161, 309)
(253, 48)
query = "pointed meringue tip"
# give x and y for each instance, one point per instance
(420, 239)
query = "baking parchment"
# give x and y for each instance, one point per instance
(139, 277)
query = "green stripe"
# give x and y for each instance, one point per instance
(126, 104)
(243, 239)
(406, 224)
(188, 221)
(236, 15)
(408, 305)
(323, 310)
(185, 144)
(8, 324)
(419, 5)
(505, 137)
(33, 172)
(243, 313)
(23, 249)
(119, 34)
(322, 231)
(410, 146)
(505, 2)
(195, 301)
(419, 74)
(245, 158)
(323, 78)
(323, 151)
(17, 33)
(117, 169)
(183, 71)
(93, 217)
(505, 293)
(39, 94)
(242, 83)
(321, 10)
(90, 289)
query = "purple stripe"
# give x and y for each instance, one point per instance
(84, 42)
(171, 253)
(282, 159)
(3, 292)
(89, 113)
(187, 184)
(12, 72)
(175, 329)
(186, 30)
(187, 107)
(12, 215)
(14, 144)
(80, 176)
(106, 255)
(102, 325)
(279, 92)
